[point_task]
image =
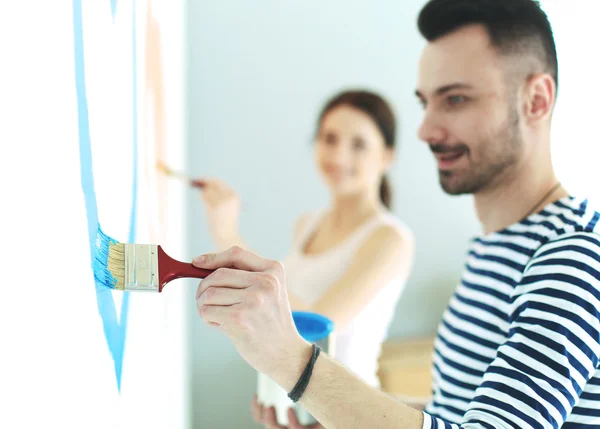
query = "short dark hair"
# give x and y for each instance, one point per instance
(513, 26)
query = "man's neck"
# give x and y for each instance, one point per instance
(528, 191)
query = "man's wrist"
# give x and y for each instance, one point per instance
(287, 372)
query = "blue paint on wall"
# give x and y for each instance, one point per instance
(114, 330)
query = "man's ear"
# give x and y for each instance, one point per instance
(539, 97)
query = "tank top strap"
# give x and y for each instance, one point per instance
(368, 228)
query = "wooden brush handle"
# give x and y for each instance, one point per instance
(170, 269)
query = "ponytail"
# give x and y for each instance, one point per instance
(385, 192)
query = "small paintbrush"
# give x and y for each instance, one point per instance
(196, 183)
(138, 267)
(179, 175)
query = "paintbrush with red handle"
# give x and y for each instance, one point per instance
(138, 267)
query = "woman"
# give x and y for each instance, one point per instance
(351, 260)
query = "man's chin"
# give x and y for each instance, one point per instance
(451, 184)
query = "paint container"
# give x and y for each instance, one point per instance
(314, 328)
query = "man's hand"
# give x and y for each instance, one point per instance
(246, 298)
(266, 417)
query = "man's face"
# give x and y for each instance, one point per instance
(471, 119)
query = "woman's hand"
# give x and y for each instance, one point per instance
(266, 417)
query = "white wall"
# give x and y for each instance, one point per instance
(55, 367)
(258, 75)
(575, 137)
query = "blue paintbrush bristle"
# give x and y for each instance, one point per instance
(107, 260)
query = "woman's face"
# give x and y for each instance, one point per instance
(350, 151)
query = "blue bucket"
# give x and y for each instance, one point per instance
(312, 327)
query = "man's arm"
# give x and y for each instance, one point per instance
(552, 351)
(553, 347)
(339, 399)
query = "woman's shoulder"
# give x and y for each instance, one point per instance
(387, 225)
(383, 234)
(388, 247)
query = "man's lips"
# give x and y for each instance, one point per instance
(449, 158)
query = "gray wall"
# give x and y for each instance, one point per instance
(258, 73)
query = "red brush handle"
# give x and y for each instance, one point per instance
(171, 269)
(197, 183)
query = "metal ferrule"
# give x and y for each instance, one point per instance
(141, 267)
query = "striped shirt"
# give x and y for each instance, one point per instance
(519, 344)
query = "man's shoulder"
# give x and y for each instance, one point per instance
(567, 217)
(574, 241)
(565, 268)
(561, 223)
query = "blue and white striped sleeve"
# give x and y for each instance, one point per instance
(553, 345)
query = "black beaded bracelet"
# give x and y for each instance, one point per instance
(302, 383)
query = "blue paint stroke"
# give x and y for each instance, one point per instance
(113, 7)
(134, 192)
(113, 330)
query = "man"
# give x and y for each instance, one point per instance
(519, 344)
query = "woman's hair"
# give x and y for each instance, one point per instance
(381, 113)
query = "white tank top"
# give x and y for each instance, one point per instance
(309, 276)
